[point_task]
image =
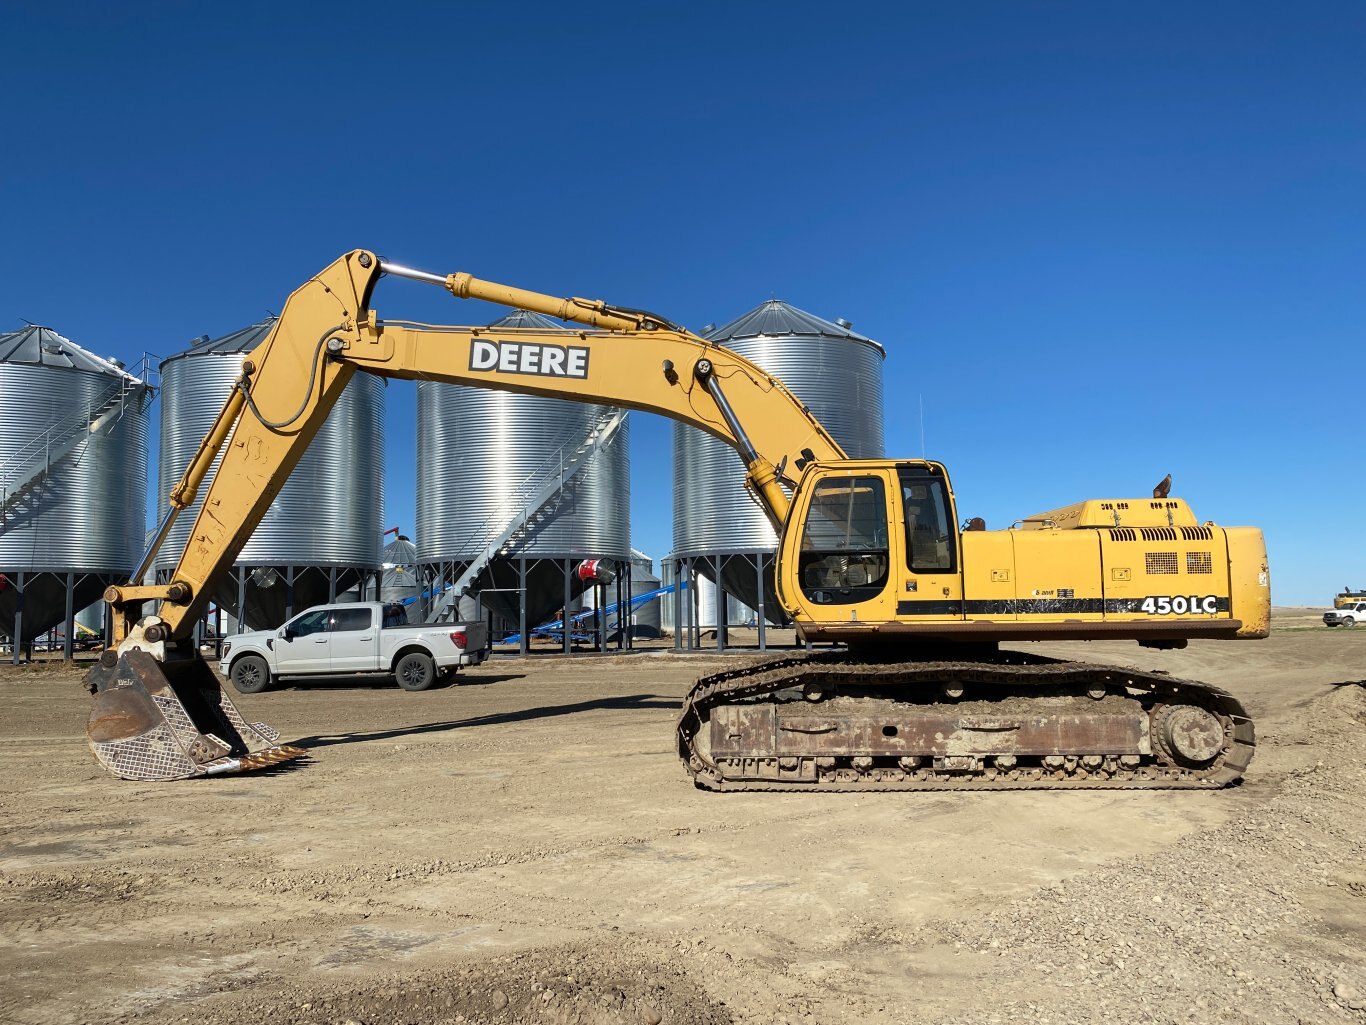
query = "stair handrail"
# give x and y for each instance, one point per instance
(502, 512)
(551, 486)
(94, 420)
(72, 428)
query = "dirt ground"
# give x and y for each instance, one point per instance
(526, 848)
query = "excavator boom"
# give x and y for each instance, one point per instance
(159, 711)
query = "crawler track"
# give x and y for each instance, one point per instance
(826, 723)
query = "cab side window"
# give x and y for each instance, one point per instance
(930, 539)
(310, 623)
(351, 619)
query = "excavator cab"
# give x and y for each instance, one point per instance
(872, 541)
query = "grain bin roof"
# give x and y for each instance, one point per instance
(233, 343)
(400, 552)
(775, 318)
(42, 346)
(525, 318)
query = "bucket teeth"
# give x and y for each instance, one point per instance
(270, 756)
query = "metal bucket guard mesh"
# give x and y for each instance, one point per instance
(171, 720)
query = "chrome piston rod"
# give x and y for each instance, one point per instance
(705, 372)
(163, 529)
(399, 271)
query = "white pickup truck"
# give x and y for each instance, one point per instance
(1351, 614)
(352, 639)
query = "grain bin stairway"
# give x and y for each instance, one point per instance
(29, 466)
(537, 498)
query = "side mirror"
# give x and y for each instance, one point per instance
(287, 633)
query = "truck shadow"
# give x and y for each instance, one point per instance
(629, 701)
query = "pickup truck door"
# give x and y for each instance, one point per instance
(353, 640)
(301, 645)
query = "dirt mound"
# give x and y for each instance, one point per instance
(608, 984)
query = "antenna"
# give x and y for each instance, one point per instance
(922, 427)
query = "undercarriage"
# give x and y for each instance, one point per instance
(1007, 721)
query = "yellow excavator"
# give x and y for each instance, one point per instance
(917, 695)
(1348, 596)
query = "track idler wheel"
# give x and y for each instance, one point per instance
(1188, 735)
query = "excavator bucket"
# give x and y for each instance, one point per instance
(169, 720)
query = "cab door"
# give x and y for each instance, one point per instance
(929, 575)
(301, 644)
(353, 640)
(841, 550)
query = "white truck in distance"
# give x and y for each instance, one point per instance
(1349, 615)
(352, 639)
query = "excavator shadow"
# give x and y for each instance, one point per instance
(464, 680)
(624, 702)
(387, 682)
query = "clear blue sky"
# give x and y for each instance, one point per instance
(1104, 241)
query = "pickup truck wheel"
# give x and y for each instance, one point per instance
(1347, 621)
(415, 671)
(250, 674)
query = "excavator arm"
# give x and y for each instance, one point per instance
(328, 331)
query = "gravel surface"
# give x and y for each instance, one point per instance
(526, 848)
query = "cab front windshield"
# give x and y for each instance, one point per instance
(844, 541)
